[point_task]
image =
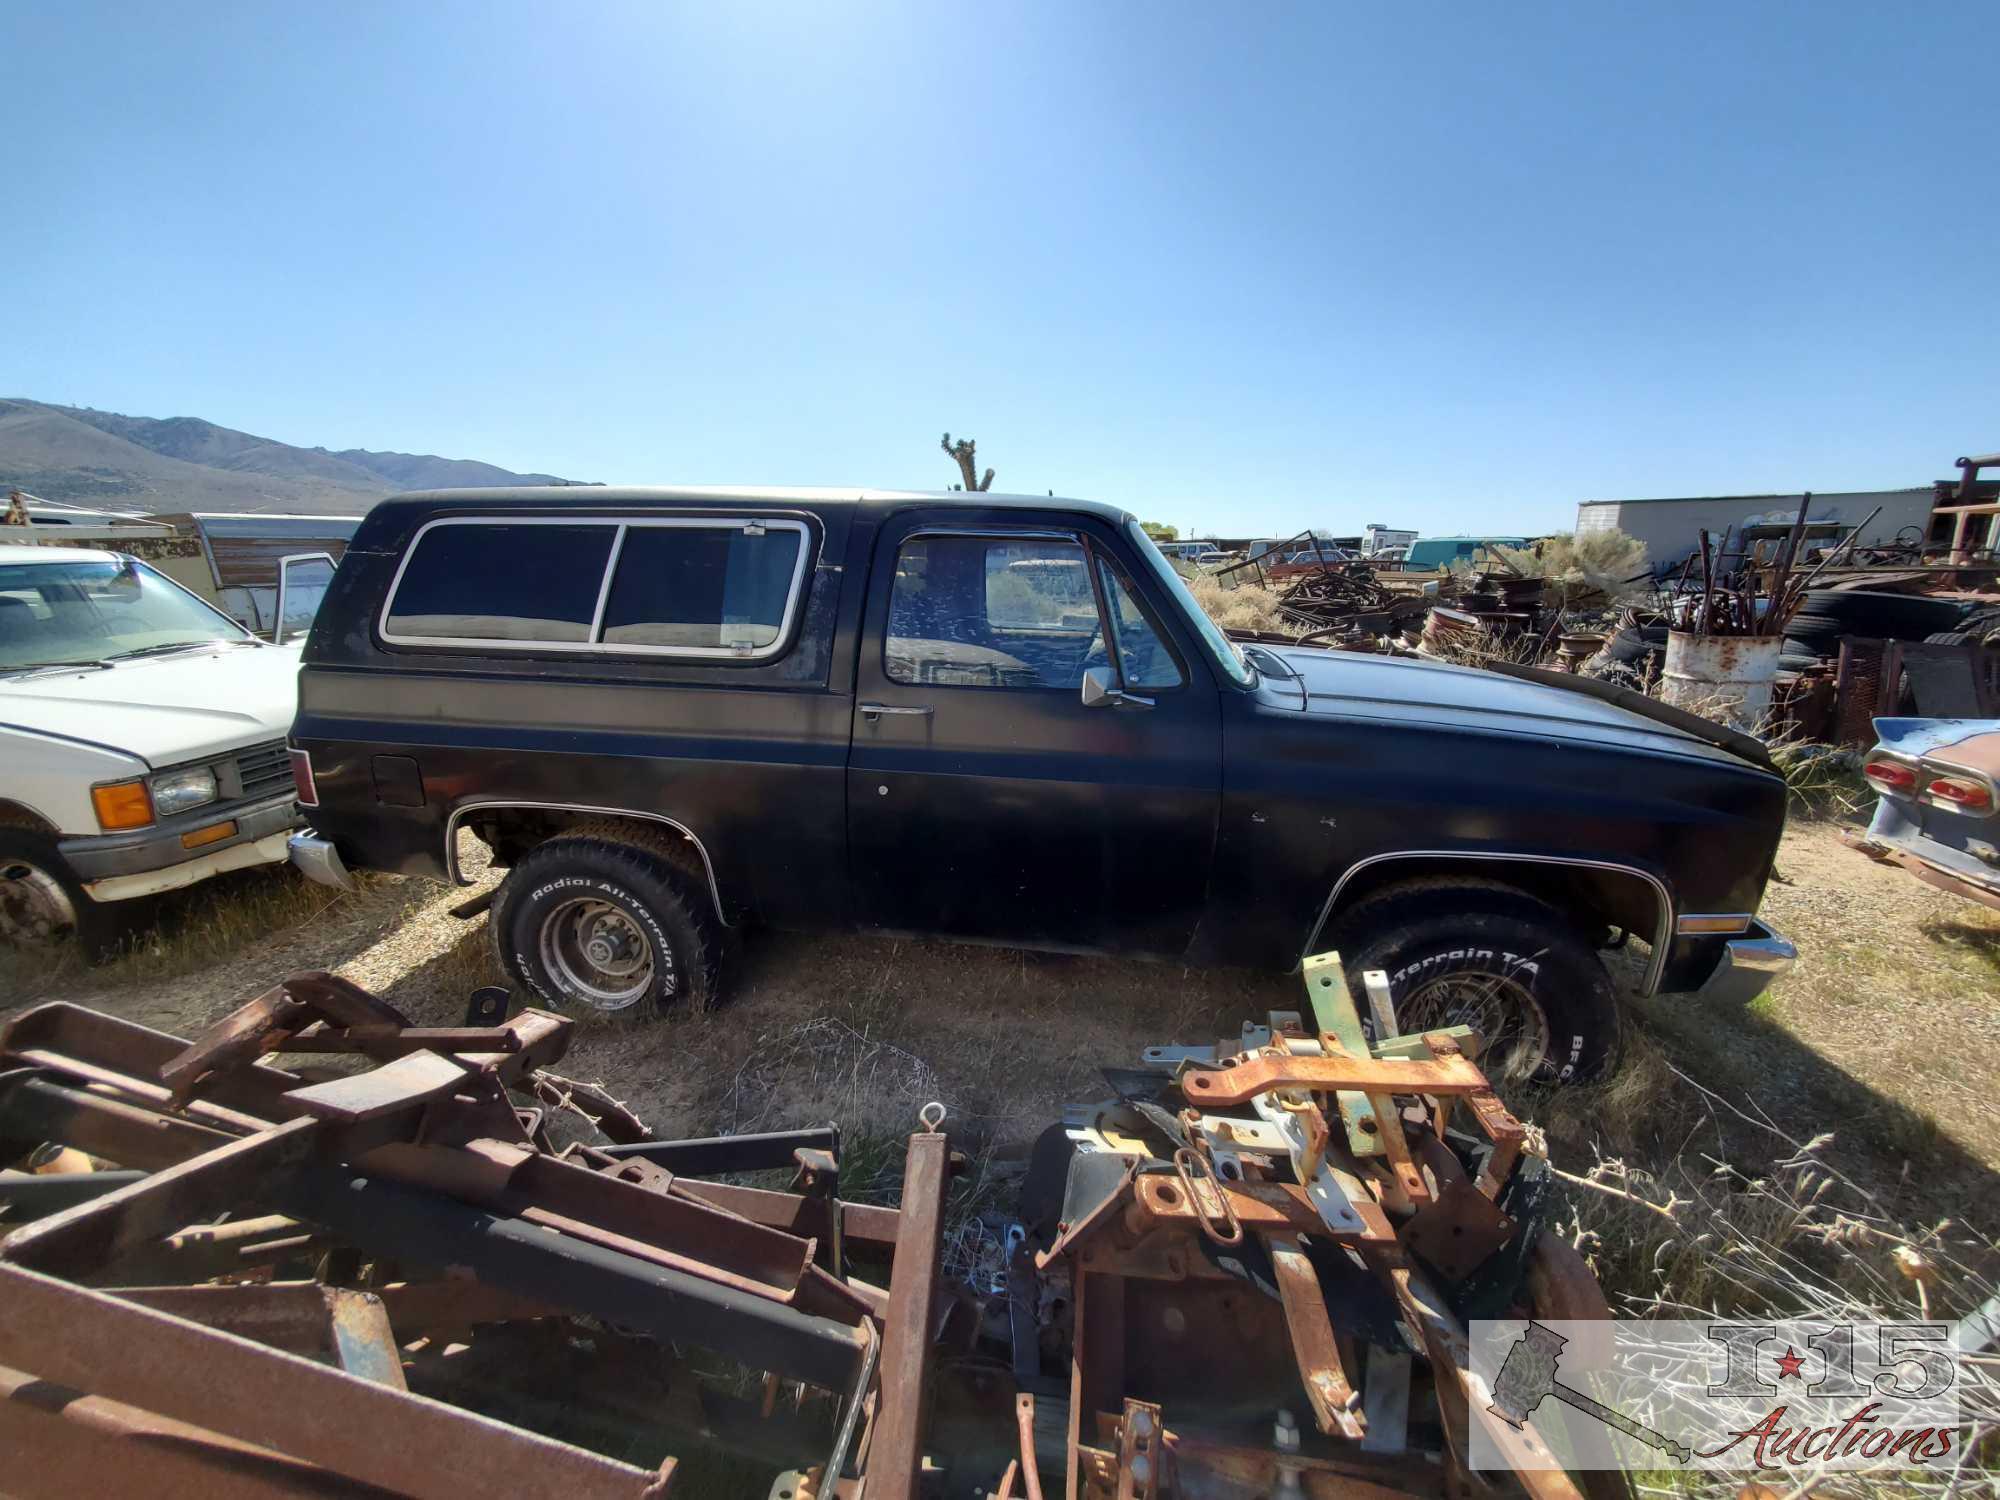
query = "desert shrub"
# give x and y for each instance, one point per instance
(1248, 606)
(1576, 567)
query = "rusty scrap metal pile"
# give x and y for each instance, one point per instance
(1347, 600)
(395, 1266)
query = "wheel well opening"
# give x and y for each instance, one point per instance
(15, 815)
(1597, 901)
(511, 832)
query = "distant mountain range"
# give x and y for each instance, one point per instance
(157, 464)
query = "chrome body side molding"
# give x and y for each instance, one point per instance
(488, 803)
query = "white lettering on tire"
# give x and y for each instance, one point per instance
(669, 976)
(1515, 965)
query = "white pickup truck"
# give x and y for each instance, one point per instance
(142, 742)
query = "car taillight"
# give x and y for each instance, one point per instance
(302, 779)
(1890, 776)
(1961, 792)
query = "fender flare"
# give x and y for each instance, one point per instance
(483, 804)
(1663, 933)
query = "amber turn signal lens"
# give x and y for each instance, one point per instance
(1692, 926)
(215, 833)
(124, 804)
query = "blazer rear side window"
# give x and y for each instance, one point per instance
(716, 587)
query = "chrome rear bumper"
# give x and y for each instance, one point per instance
(1748, 966)
(317, 859)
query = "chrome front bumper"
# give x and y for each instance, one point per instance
(317, 859)
(1748, 966)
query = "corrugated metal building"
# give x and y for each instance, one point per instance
(1671, 527)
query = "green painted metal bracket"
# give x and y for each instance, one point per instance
(1338, 1022)
(1411, 1045)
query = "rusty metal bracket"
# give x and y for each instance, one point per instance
(1246, 1078)
(895, 1457)
(1334, 1402)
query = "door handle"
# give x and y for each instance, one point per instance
(876, 710)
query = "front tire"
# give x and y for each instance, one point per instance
(1511, 967)
(594, 924)
(42, 903)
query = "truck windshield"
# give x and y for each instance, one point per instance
(1220, 646)
(81, 613)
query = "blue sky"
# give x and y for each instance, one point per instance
(1243, 267)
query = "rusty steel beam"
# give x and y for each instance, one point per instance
(683, 1233)
(36, 1107)
(91, 1045)
(341, 1001)
(292, 1314)
(289, 1315)
(355, 1428)
(62, 1443)
(512, 1255)
(731, 1153)
(895, 1455)
(417, 1307)
(304, 1317)
(203, 1111)
(714, 1242)
(864, 1226)
(242, 1036)
(86, 1239)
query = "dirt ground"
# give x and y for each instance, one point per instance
(1886, 1033)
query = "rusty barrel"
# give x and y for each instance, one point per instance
(1722, 677)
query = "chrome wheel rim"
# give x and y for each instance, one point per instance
(598, 952)
(1513, 1028)
(35, 910)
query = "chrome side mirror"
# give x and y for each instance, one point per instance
(1100, 690)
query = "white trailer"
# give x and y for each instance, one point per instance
(1376, 537)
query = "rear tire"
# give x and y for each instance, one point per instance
(589, 923)
(1513, 968)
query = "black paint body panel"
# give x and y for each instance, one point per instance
(1212, 827)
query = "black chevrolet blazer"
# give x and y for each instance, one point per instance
(1000, 719)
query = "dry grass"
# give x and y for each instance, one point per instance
(1248, 606)
(1779, 1156)
(1888, 1026)
(177, 936)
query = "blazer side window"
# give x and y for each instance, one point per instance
(987, 611)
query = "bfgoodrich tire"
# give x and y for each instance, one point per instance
(592, 924)
(1511, 967)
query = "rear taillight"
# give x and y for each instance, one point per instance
(1883, 775)
(1961, 792)
(302, 779)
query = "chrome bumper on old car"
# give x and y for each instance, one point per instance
(317, 859)
(1748, 966)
